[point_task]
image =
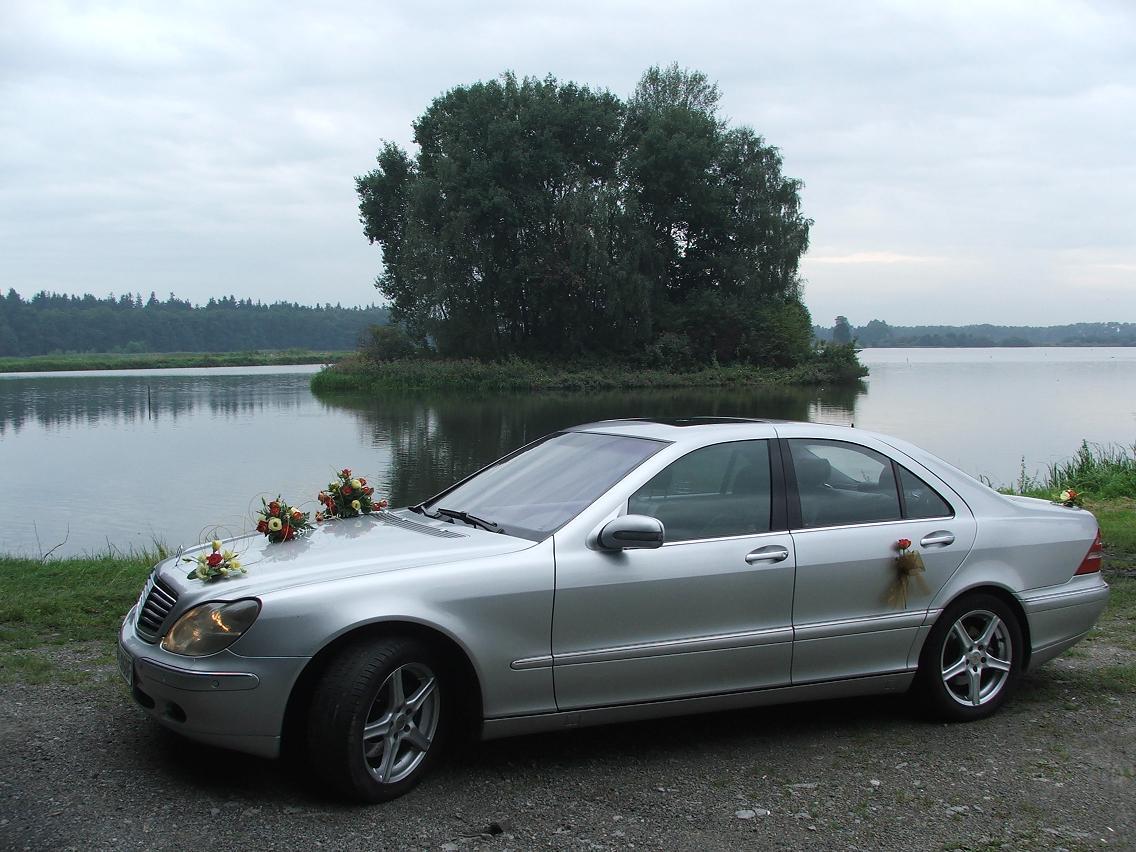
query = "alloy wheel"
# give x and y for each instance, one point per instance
(977, 658)
(401, 723)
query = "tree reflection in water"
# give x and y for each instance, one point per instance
(436, 439)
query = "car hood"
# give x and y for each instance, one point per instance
(384, 541)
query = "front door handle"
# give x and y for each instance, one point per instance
(939, 538)
(773, 553)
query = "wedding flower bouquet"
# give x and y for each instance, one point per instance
(281, 522)
(909, 568)
(214, 565)
(1069, 498)
(348, 497)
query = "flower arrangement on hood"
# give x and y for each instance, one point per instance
(281, 522)
(348, 497)
(214, 564)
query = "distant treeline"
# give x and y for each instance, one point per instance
(49, 323)
(879, 334)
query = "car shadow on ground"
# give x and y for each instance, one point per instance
(648, 744)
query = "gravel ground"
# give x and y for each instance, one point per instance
(82, 768)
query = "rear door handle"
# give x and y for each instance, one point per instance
(773, 553)
(938, 538)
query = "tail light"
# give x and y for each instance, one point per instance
(1092, 561)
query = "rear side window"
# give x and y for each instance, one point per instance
(920, 500)
(713, 492)
(840, 483)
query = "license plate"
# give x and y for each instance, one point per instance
(126, 666)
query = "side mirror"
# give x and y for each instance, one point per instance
(632, 532)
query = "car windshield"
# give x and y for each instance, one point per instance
(539, 488)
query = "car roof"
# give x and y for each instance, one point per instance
(702, 429)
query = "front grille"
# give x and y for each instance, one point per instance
(158, 599)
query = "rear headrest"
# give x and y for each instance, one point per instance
(752, 479)
(812, 471)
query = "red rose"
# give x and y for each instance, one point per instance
(287, 533)
(904, 543)
(262, 527)
(346, 473)
(346, 490)
(213, 560)
(368, 490)
(274, 508)
(382, 504)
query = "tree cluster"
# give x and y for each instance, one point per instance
(50, 322)
(878, 333)
(549, 220)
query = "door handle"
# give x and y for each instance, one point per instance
(773, 553)
(938, 538)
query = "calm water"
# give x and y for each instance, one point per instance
(92, 461)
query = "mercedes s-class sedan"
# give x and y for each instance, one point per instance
(620, 570)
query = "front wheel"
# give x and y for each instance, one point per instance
(376, 719)
(972, 659)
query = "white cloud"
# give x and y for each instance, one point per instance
(972, 155)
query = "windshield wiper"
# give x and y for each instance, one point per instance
(421, 510)
(472, 520)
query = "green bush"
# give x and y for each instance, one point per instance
(387, 343)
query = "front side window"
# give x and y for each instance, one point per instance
(841, 483)
(717, 491)
(541, 487)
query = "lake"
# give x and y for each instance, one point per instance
(91, 462)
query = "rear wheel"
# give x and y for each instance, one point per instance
(376, 721)
(972, 658)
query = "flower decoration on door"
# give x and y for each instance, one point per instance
(909, 569)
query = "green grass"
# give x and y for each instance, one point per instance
(165, 360)
(1095, 470)
(355, 374)
(67, 600)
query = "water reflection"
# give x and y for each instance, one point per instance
(87, 401)
(436, 439)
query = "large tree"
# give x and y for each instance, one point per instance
(547, 219)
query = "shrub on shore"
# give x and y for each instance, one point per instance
(362, 371)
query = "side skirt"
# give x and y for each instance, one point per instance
(512, 726)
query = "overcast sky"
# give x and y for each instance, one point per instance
(963, 162)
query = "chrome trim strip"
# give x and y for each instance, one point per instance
(770, 636)
(849, 626)
(802, 530)
(531, 663)
(725, 538)
(192, 681)
(516, 725)
(1059, 600)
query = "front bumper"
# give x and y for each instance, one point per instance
(225, 699)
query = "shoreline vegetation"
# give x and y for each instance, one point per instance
(357, 373)
(50, 607)
(165, 360)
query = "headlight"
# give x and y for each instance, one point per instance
(211, 627)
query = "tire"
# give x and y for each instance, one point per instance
(375, 726)
(971, 660)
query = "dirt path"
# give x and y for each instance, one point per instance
(81, 768)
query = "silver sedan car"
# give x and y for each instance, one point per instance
(620, 570)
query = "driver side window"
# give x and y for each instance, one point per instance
(714, 492)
